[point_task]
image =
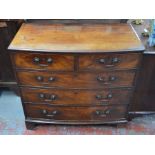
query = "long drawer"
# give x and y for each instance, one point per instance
(104, 113)
(109, 61)
(43, 61)
(77, 80)
(76, 97)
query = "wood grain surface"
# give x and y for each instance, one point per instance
(109, 61)
(57, 62)
(76, 97)
(105, 113)
(76, 38)
(77, 80)
(76, 73)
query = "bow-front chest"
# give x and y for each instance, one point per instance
(76, 74)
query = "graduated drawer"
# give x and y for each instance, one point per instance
(76, 97)
(77, 80)
(43, 61)
(109, 61)
(105, 113)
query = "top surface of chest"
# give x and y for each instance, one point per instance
(76, 38)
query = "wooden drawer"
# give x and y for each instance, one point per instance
(77, 80)
(76, 97)
(105, 113)
(109, 61)
(44, 61)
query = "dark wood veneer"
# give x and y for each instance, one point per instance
(109, 61)
(44, 61)
(77, 79)
(76, 97)
(103, 113)
(76, 74)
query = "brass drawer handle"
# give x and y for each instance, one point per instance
(40, 78)
(37, 61)
(100, 97)
(44, 111)
(100, 79)
(49, 114)
(102, 113)
(110, 79)
(47, 97)
(114, 61)
(49, 60)
(53, 97)
(109, 96)
(102, 60)
(51, 79)
(42, 96)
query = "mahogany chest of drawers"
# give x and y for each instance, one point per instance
(76, 74)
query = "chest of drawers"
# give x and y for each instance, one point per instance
(76, 74)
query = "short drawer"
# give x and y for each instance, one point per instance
(105, 113)
(109, 61)
(77, 80)
(43, 61)
(76, 97)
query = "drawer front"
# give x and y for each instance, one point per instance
(106, 113)
(76, 97)
(44, 61)
(77, 80)
(109, 61)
